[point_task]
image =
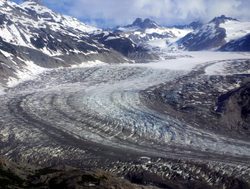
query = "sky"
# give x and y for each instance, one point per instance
(110, 13)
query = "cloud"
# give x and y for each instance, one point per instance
(166, 12)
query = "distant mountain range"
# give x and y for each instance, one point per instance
(30, 33)
(141, 31)
(221, 33)
(217, 34)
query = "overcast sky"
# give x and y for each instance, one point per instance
(109, 13)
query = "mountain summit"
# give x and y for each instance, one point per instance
(143, 24)
(222, 19)
(216, 34)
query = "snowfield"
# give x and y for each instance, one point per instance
(235, 29)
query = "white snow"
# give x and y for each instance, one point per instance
(2, 2)
(216, 69)
(5, 34)
(188, 60)
(21, 36)
(6, 54)
(222, 68)
(50, 52)
(161, 43)
(58, 19)
(174, 32)
(111, 38)
(76, 24)
(90, 64)
(128, 29)
(235, 29)
(90, 53)
(29, 72)
(17, 36)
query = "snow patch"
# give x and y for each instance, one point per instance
(235, 29)
(6, 54)
(111, 38)
(90, 64)
(29, 72)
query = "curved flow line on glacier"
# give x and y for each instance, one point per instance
(105, 108)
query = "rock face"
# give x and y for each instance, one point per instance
(207, 37)
(235, 106)
(204, 38)
(194, 25)
(144, 24)
(16, 176)
(125, 46)
(242, 44)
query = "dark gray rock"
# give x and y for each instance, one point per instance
(242, 44)
(208, 37)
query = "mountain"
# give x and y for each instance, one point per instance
(214, 34)
(31, 34)
(142, 31)
(124, 45)
(139, 23)
(194, 25)
(222, 19)
(241, 44)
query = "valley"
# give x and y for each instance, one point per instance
(142, 105)
(98, 115)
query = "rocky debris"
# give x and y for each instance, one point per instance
(221, 99)
(178, 174)
(13, 175)
(143, 173)
(235, 107)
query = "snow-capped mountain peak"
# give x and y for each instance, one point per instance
(215, 34)
(222, 19)
(141, 31)
(36, 8)
(24, 24)
(140, 24)
(31, 32)
(144, 24)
